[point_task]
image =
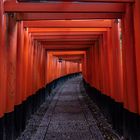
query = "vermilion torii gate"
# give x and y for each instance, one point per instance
(106, 32)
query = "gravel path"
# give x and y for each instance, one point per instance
(70, 117)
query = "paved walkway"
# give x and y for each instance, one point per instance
(68, 117)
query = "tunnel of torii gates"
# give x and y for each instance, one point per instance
(40, 42)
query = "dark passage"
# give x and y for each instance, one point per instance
(68, 117)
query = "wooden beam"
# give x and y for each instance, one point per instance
(62, 43)
(68, 52)
(69, 55)
(62, 7)
(66, 33)
(66, 16)
(73, 59)
(43, 30)
(112, 1)
(66, 47)
(65, 40)
(68, 24)
(65, 37)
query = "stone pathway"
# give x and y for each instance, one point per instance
(68, 117)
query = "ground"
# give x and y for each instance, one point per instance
(71, 115)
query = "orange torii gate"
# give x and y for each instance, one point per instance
(30, 31)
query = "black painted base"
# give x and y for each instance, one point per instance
(1, 128)
(126, 123)
(12, 124)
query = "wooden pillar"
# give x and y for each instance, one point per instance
(46, 67)
(24, 65)
(137, 43)
(109, 60)
(11, 62)
(101, 64)
(129, 63)
(92, 64)
(88, 66)
(105, 65)
(28, 67)
(42, 67)
(85, 66)
(96, 77)
(109, 49)
(19, 79)
(117, 62)
(34, 66)
(49, 66)
(31, 67)
(3, 61)
(11, 49)
(37, 67)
